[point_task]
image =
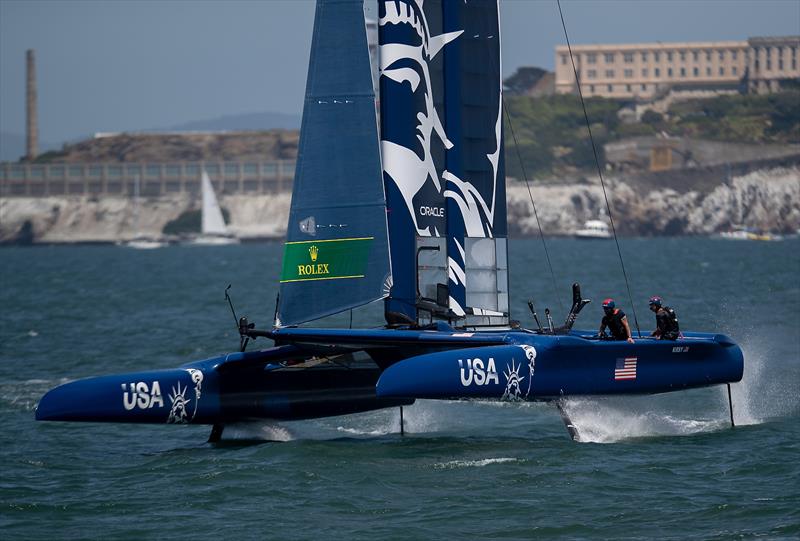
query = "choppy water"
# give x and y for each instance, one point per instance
(654, 467)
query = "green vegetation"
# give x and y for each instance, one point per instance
(51, 156)
(552, 136)
(189, 222)
(551, 132)
(772, 118)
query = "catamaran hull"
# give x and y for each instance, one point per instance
(237, 387)
(332, 374)
(548, 368)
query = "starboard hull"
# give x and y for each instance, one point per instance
(550, 367)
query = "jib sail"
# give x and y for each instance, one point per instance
(336, 254)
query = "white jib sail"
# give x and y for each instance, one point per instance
(213, 222)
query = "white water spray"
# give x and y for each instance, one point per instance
(608, 420)
(257, 430)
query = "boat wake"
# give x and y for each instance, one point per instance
(424, 416)
(257, 431)
(770, 386)
(25, 395)
(456, 464)
(609, 421)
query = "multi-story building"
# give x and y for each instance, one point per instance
(771, 61)
(643, 71)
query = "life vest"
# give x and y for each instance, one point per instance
(615, 326)
(667, 323)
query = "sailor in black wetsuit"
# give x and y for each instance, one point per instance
(616, 321)
(666, 320)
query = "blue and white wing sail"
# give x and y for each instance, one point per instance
(443, 162)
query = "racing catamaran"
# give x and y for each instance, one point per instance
(406, 207)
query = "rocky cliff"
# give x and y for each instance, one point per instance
(66, 219)
(766, 199)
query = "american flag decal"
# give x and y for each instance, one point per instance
(625, 368)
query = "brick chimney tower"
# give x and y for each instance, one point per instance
(32, 131)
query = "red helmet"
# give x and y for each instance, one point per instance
(609, 304)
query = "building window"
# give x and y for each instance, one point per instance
(563, 60)
(722, 55)
(669, 72)
(609, 58)
(780, 64)
(733, 70)
(591, 58)
(591, 74)
(627, 88)
(644, 87)
(591, 89)
(658, 72)
(734, 55)
(628, 58)
(609, 74)
(644, 72)
(794, 63)
(610, 88)
(683, 72)
(644, 57)
(657, 57)
(695, 72)
(708, 56)
(695, 55)
(769, 64)
(721, 70)
(708, 71)
(669, 56)
(629, 74)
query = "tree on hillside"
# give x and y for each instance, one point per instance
(523, 80)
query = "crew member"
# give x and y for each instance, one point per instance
(666, 320)
(616, 321)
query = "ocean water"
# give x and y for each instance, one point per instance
(656, 467)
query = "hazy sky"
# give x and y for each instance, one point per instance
(137, 65)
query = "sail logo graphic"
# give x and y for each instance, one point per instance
(325, 259)
(313, 269)
(438, 212)
(141, 395)
(476, 372)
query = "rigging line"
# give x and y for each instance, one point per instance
(597, 163)
(530, 194)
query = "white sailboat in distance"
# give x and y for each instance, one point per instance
(213, 229)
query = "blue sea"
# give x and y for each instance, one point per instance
(655, 467)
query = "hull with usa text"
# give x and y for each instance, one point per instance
(277, 383)
(549, 367)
